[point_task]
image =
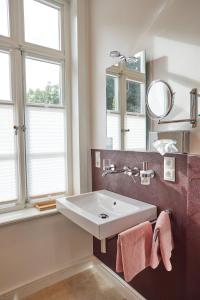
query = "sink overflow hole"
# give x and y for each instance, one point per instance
(103, 216)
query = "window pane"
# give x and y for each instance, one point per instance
(112, 93)
(42, 82)
(46, 176)
(5, 76)
(7, 142)
(8, 180)
(42, 24)
(45, 151)
(137, 62)
(4, 18)
(135, 138)
(134, 64)
(45, 131)
(133, 96)
(8, 184)
(113, 130)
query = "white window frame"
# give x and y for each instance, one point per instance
(123, 73)
(19, 49)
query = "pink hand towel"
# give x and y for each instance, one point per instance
(163, 245)
(134, 250)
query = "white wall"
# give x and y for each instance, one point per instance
(81, 125)
(169, 32)
(35, 248)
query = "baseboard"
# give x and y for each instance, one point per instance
(127, 292)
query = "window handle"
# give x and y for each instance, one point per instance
(125, 130)
(23, 128)
(16, 128)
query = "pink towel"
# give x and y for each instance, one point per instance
(134, 250)
(163, 245)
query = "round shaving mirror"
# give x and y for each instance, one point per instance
(159, 99)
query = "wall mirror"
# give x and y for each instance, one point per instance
(159, 99)
(125, 102)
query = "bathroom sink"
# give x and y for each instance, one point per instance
(103, 213)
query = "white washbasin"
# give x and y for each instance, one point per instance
(121, 212)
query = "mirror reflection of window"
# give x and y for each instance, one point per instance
(133, 96)
(112, 93)
(113, 131)
(135, 120)
(125, 104)
(135, 138)
(134, 64)
(113, 113)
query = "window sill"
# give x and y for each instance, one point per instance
(24, 215)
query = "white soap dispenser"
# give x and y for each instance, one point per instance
(146, 174)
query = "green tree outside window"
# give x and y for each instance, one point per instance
(49, 95)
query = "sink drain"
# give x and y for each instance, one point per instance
(103, 216)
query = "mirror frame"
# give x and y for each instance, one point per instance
(171, 102)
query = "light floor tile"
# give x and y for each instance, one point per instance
(88, 285)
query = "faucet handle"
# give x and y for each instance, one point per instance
(110, 167)
(131, 172)
(127, 171)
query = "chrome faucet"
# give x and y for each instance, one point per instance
(111, 169)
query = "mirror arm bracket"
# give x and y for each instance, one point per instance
(193, 110)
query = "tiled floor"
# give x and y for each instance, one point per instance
(88, 285)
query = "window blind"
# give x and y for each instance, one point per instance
(45, 151)
(113, 129)
(136, 137)
(8, 165)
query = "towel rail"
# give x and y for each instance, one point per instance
(157, 231)
(103, 241)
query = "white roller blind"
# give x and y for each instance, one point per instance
(8, 165)
(114, 130)
(45, 151)
(135, 139)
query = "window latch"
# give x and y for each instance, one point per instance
(16, 128)
(23, 128)
(125, 130)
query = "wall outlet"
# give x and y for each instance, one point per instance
(97, 159)
(169, 169)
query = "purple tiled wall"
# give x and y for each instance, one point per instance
(182, 197)
(193, 229)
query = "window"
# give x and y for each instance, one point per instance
(5, 90)
(4, 18)
(43, 87)
(42, 23)
(33, 131)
